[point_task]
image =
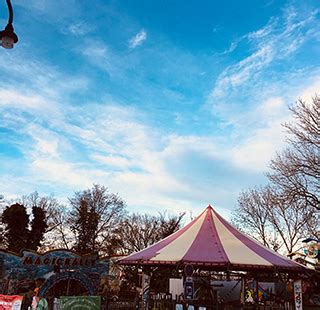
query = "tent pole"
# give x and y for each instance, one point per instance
(243, 292)
(257, 292)
(145, 290)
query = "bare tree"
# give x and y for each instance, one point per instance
(291, 219)
(95, 213)
(2, 226)
(138, 231)
(251, 217)
(285, 209)
(272, 220)
(60, 237)
(296, 171)
(49, 204)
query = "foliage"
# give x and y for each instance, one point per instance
(17, 233)
(38, 228)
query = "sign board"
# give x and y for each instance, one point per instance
(10, 302)
(188, 288)
(58, 261)
(175, 288)
(80, 302)
(18, 272)
(298, 295)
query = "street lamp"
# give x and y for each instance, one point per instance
(7, 36)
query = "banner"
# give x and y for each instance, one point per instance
(12, 302)
(80, 302)
(298, 294)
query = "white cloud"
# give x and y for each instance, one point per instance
(138, 39)
(149, 170)
(60, 173)
(31, 76)
(256, 152)
(11, 98)
(80, 28)
(310, 91)
(102, 56)
(268, 136)
(259, 134)
(113, 161)
(272, 108)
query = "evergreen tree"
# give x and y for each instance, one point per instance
(16, 231)
(19, 233)
(38, 228)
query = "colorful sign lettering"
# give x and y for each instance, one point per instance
(10, 302)
(58, 261)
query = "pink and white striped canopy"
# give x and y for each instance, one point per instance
(210, 241)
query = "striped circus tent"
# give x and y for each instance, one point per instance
(210, 242)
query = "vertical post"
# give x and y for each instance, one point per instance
(257, 292)
(188, 283)
(145, 290)
(318, 238)
(242, 292)
(318, 223)
(68, 287)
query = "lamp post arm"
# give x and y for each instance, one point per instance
(10, 19)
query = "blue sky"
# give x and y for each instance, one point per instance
(171, 104)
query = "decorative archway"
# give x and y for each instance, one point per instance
(68, 275)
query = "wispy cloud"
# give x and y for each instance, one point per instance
(79, 28)
(276, 41)
(138, 39)
(54, 11)
(251, 96)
